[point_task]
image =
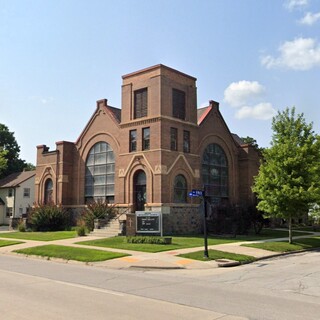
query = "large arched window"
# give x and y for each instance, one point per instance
(48, 191)
(215, 172)
(180, 189)
(99, 182)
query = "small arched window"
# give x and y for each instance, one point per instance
(215, 172)
(100, 169)
(48, 191)
(180, 189)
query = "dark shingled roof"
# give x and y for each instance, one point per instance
(14, 179)
(237, 139)
(115, 112)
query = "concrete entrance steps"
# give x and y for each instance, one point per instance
(111, 229)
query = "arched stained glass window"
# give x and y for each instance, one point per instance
(215, 172)
(100, 169)
(48, 191)
(180, 189)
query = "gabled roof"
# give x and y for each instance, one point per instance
(115, 112)
(202, 113)
(15, 179)
(237, 139)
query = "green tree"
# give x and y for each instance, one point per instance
(3, 161)
(289, 177)
(253, 142)
(9, 145)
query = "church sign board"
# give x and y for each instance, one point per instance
(148, 222)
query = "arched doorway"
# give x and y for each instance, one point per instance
(139, 190)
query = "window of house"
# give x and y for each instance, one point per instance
(178, 104)
(100, 171)
(9, 212)
(186, 141)
(214, 172)
(145, 138)
(10, 193)
(26, 192)
(174, 139)
(133, 140)
(180, 189)
(20, 211)
(141, 103)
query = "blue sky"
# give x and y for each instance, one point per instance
(57, 57)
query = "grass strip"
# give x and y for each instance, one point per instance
(181, 242)
(40, 236)
(215, 254)
(281, 246)
(5, 243)
(71, 253)
(177, 243)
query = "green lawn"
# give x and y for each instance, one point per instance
(5, 243)
(40, 236)
(71, 253)
(177, 243)
(181, 242)
(299, 244)
(215, 254)
(269, 234)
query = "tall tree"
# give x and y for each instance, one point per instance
(289, 177)
(3, 161)
(253, 142)
(9, 144)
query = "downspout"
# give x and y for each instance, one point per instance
(57, 177)
(14, 203)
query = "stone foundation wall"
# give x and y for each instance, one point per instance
(183, 220)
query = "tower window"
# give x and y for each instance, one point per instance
(178, 104)
(133, 141)
(141, 103)
(186, 141)
(146, 139)
(174, 139)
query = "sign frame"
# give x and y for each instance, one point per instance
(147, 218)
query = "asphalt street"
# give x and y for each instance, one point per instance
(283, 288)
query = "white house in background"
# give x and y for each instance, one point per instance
(16, 195)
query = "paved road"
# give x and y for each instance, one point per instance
(280, 288)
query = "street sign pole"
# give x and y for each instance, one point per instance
(201, 194)
(205, 235)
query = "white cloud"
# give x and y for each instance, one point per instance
(310, 18)
(261, 111)
(295, 4)
(299, 54)
(243, 92)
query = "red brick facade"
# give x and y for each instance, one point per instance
(152, 93)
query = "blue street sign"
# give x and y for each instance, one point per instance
(196, 193)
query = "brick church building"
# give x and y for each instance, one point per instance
(148, 155)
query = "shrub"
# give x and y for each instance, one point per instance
(49, 217)
(147, 239)
(97, 210)
(21, 227)
(235, 220)
(81, 231)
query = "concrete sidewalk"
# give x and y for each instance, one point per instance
(160, 260)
